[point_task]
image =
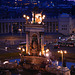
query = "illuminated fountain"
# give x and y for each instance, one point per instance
(35, 33)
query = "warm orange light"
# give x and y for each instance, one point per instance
(38, 18)
(27, 17)
(61, 51)
(47, 50)
(24, 16)
(58, 51)
(43, 17)
(47, 54)
(23, 49)
(20, 30)
(65, 52)
(19, 48)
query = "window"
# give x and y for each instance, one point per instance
(64, 25)
(64, 28)
(56, 30)
(53, 23)
(56, 23)
(50, 23)
(56, 27)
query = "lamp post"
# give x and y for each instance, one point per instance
(62, 54)
(26, 17)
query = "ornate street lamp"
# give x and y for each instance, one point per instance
(62, 52)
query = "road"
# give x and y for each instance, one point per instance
(11, 49)
(68, 49)
(50, 46)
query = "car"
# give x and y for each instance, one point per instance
(71, 44)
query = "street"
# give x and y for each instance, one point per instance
(68, 49)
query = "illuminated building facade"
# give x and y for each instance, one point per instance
(63, 24)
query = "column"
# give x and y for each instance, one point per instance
(30, 50)
(30, 38)
(49, 26)
(19, 25)
(38, 40)
(38, 43)
(42, 43)
(46, 26)
(22, 27)
(1, 28)
(52, 26)
(11, 28)
(4, 27)
(8, 27)
(55, 26)
(26, 42)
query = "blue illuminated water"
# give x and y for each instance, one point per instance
(68, 64)
(13, 60)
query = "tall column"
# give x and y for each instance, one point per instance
(52, 26)
(30, 39)
(38, 43)
(27, 43)
(19, 25)
(42, 43)
(49, 26)
(12, 28)
(8, 27)
(4, 27)
(1, 28)
(38, 40)
(22, 27)
(55, 26)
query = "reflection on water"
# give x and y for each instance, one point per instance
(30, 72)
(13, 60)
(68, 64)
(27, 72)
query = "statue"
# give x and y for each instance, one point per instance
(34, 45)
